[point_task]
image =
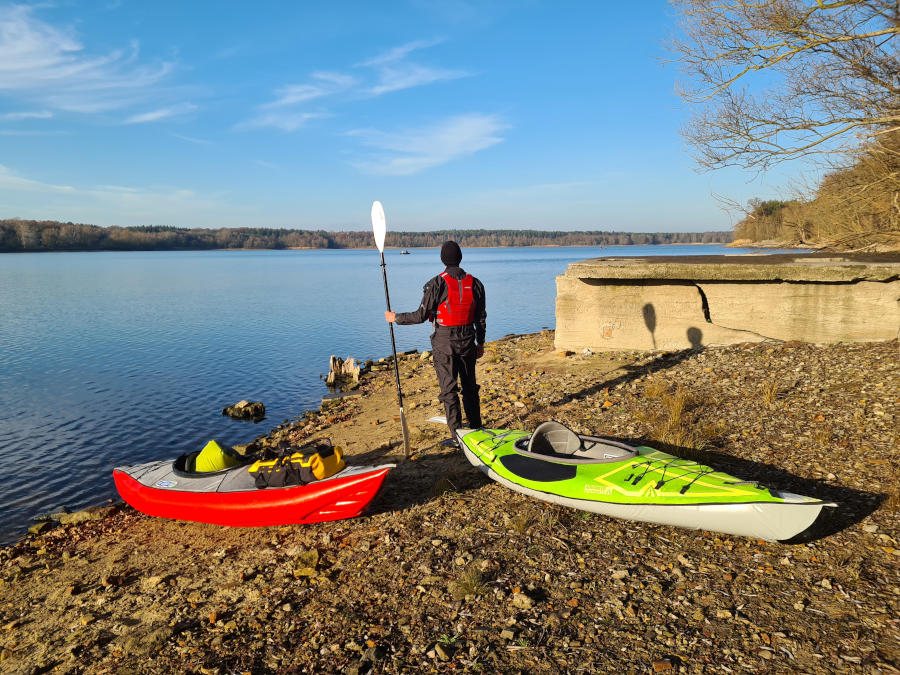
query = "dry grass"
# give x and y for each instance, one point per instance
(821, 438)
(520, 523)
(655, 388)
(770, 392)
(470, 582)
(677, 425)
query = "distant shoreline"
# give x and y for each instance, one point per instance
(17, 235)
(386, 248)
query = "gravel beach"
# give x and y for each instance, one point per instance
(449, 571)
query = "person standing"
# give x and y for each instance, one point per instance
(454, 300)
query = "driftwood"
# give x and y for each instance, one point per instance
(342, 373)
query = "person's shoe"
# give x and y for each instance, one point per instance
(450, 443)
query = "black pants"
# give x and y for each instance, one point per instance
(449, 368)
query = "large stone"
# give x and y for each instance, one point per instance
(682, 302)
(245, 410)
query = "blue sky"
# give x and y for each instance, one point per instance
(544, 115)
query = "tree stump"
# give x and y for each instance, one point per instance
(342, 373)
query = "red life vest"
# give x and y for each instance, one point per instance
(459, 307)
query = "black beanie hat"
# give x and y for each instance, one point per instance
(450, 253)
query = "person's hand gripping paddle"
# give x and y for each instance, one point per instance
(379, 228)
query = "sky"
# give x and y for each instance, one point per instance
(454, 114)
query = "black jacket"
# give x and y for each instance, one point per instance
(449, 338)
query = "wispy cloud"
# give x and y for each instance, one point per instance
(282, 120)
(18, 116)
(399, 53)
(33, 132)
(191, 139)
(388, 72)
(395, 72)
(162, 113)
(9, 180)
(409, 152)
(267, 165)
(124, 201)
(40, 62)
(409, 75)
(325, 84)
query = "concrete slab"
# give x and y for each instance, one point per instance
(694, 301)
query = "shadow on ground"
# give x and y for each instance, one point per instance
(432, 471)
(438, 470)
(633, 372)
(852, 505)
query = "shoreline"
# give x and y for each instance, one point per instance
(387, 247)
(451, 571)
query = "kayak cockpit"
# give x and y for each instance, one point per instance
(556, 442)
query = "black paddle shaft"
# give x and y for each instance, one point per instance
(387, 300)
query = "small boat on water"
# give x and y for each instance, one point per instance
(603, 476)
(404, 252)
(227, 491)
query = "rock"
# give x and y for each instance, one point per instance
(37, 528)
(145, 642)
(149, 583)
(521, 601)
(507, 634)
(441, 653)
(245, 410)
(83, 516)
(662, 666)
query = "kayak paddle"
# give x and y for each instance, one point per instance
(379, 228)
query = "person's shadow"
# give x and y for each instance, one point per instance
(632, 372)
(433, 470)
(649, 313)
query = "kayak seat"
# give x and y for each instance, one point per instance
(553, 438)
(556, 441)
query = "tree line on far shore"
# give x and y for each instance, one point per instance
(32, 235)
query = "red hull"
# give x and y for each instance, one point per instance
(333, 499)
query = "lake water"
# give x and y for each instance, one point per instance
(111, 358)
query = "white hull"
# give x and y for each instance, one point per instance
(767, 521)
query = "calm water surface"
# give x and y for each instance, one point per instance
(110, 358)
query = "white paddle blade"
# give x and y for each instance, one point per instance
(439, 419)
(379, 226)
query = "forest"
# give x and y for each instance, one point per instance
(45, 235)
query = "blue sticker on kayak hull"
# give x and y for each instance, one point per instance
(166, 483)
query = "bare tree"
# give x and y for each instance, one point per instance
(774, 80)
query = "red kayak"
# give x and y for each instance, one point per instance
(230, 497)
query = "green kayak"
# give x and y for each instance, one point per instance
(637, 483)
